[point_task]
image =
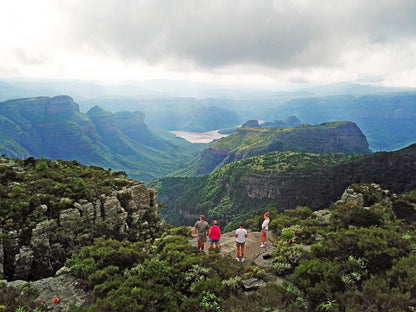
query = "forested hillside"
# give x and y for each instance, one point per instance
(283, 180)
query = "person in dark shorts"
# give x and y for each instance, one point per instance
(240, 241)
(264, 229)
(201, 229)
(214, 234)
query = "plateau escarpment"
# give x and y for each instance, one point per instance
(333, 137)
(55, 128)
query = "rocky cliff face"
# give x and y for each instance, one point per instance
(130, 212)
(318, 189)
(37, 107)
(132, 125)
(49, 127)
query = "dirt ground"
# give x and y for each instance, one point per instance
(252, 247)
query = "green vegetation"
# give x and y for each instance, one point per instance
(282, 180)
(223, 194)
(175, 277)
(328, 261)
(358, 255)
(38, 182)
(245, 139)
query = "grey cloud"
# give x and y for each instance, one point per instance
(27, 58)
(299, 80)
(216, 33)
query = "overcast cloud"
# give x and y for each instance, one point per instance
(278, 41)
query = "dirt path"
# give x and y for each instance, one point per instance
(252, 246)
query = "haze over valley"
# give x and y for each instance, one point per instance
(123, 123)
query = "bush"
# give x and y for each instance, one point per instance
(181, 231)
(404, 210)
(364, 217)
(319, 279)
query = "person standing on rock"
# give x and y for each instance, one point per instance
(201, 229)
(214, 234)
(240, 241)
(264, 229)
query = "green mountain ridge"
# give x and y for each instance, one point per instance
(283, 180)
(330, 137)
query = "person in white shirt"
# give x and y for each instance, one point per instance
(264, 229)
(240, 241)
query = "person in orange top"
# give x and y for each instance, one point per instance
(214, 234)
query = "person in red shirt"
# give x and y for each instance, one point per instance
(214, 234)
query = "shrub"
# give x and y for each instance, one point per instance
(404, 210)
(181, 231)
(319, 279)
(364, 217)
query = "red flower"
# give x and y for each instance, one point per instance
(56, 300)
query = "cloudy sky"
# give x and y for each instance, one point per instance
(255, 42)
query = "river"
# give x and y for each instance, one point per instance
(199, 137)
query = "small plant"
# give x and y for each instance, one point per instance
(281, 268)
(209, 302)
(196, 274)
(256, 272)
(232, 283)
(328, 306)
(288, 236)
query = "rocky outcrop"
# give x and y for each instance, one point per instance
(251, 124)
(364, 195)
(126, 213)
(53, 293)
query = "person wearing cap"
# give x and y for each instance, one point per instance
(201, 229)
(214, 234)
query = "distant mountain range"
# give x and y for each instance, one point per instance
(385, 115)
(388, 120)
(55, 128)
